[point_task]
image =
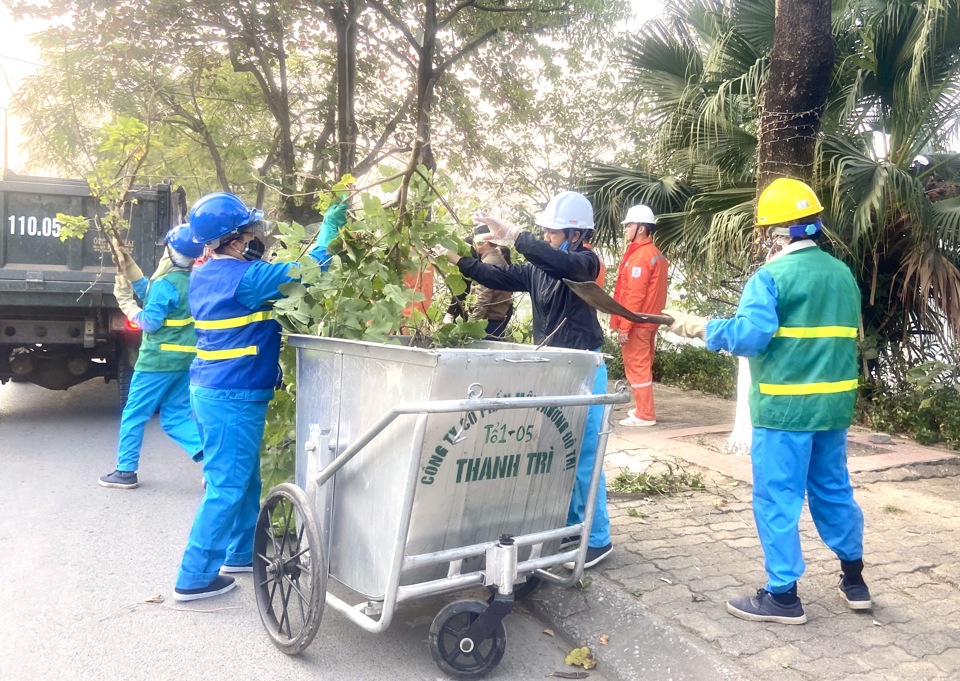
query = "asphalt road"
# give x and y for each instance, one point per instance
(79, 563)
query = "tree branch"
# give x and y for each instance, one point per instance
(395, 22)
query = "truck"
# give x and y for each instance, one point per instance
(60, 324)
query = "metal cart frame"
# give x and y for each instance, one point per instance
(467, 639)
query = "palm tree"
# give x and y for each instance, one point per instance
(890, 182)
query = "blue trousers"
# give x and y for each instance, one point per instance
(168, 390)
(787, 464)
(600, 530)
(231, 425)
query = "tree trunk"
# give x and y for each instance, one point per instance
(795, 91)
(426, 79)
(793, 99)
(345, 22)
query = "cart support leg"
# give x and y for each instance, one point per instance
(483, 626)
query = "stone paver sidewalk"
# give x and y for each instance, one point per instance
(682, 557)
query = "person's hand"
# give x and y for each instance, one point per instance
(333, 220)
(502, 233)
(123, 292)
(623, 337)
(439, 251)
(127, 265)
(687, 325)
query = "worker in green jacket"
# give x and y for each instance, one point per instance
(797, 322)
(161, 377)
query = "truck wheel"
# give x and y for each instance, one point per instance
(126, 358)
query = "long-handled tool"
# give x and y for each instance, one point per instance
(597, 298)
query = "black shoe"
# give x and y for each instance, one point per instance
(120, 480)
(763, 608)
(856, 596)
(236, 569)
(220, 585)
(594, 556)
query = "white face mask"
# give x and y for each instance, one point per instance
(178, 259)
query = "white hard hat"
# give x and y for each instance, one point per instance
(567, 210)
(640, 214)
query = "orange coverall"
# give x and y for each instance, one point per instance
(641, 287)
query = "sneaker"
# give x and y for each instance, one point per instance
(594, 556)
(763, 608)
(120, 480)
(236, 569)
(632, 421)
(220, 585)
(856, 596)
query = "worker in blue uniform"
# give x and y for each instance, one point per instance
(797, 322)
(232, 381)
(560, 319)
(161, 377)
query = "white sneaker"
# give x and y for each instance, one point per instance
(633, 421)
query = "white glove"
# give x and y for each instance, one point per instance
(688, 325)
(127, 264)
(123, 292)
(502, 233)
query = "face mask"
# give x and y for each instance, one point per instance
(253, 250)
(179, 260)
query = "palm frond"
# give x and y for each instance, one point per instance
(613, 190)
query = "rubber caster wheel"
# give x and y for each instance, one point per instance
(289, 570)
(460, 657)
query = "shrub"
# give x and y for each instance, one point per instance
(928, 415)
(695, 368)
(683, 365)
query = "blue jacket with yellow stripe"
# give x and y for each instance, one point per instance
(797, 321)
(238, 341)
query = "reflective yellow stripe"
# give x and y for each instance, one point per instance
(808, 388)
(178, 322)
(227, 354)
(234, 322)
(170, 347)
(816, 332)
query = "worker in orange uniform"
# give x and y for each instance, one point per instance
(641, 287)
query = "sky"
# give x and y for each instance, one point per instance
(18, 59)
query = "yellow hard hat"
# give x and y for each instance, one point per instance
(786, 200)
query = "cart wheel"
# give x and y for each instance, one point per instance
(289, 570)
(461, 657)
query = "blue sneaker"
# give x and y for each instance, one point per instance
(236, 569)
(856, 596)
(220, 585)
(120, 480)
(762, 608)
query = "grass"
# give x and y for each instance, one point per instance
(890, 508)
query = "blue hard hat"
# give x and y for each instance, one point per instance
(181, 240)
(219, 214)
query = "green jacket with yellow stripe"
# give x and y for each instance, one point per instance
(173, 346)
(806, 378)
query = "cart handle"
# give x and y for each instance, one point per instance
(454, 406)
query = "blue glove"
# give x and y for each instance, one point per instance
(333, 220)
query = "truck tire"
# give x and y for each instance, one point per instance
(127, 354)
(124, 374)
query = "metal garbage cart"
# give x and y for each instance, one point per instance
(423, 472)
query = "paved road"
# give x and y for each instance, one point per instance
(79, 561)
